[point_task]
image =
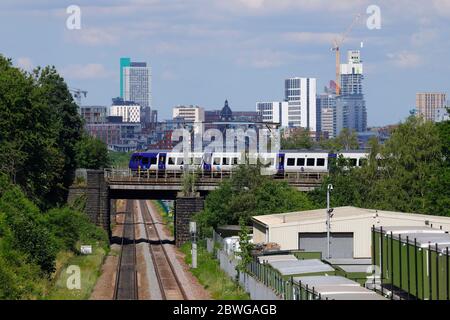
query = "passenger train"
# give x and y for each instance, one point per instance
(287, 161)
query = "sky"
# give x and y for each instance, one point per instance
(205, 51)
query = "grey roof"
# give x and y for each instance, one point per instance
(413, 229)
(317, 281)
(339, 292)
(344, 261)
(425, 239)
(298, 267)
(356, 268)
(275, 257)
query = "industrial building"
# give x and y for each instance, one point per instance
(350, 229)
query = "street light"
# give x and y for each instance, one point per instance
(329, 211)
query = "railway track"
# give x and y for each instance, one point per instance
(126, 287)
(169, 284)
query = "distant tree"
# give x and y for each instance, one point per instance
(91, 153)
(346, 140)
(298, 139)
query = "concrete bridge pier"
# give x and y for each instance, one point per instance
(185, 209)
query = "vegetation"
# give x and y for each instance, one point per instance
(301, 139)
(41, 145)
(248, 193)
(167, 216)
(30, 241)
(92, 153)
(413, 174)
(214, 279)
(119, 159)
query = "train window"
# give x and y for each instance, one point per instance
(300, 162)
(321, 162)
(171, 161)
(362, 162)
(145, 161)
(197, 161)
(180, 161)
(226, 161)
(235, 161)
(291, 162)
(353, 162)
(153, 160)
(310, 162)
(216, 161)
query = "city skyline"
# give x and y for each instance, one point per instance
(202, 53)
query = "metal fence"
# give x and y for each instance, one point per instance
(283, 287)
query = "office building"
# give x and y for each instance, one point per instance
(326, 113)
(351, 110)
(128, 110)
(427, 104)
(300, 93)
(135, 82)
(94, 114)
(274, 112)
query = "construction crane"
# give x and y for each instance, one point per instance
(337, 49)
(77, 94)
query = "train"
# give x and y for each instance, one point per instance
(285, 161)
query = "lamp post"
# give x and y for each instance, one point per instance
(329, 211)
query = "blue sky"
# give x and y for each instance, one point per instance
(205, 51)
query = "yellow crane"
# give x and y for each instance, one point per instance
(336, 48)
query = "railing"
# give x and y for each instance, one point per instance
(203, 177)
(283, 286)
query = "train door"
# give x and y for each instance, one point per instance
(207, 159)
(280, 162)
(162, 161)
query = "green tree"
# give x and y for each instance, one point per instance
(91, 153)
(346, 140)
(299, 139)
(248, 193)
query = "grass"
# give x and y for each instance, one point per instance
(120, 159)
(167, 217)
(213, 279)
(90, 268)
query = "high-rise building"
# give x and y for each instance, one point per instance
(273, 112)
(326, 114)
(193, 115)
(427, 103)
(300, 93)
(351, 110)
(128, 110)
(135, 82)
(94, 114)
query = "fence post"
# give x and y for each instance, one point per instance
(437, 272)
(408, 267)
(392, 266)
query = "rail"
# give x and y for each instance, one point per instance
(126, 276)
(170, 277)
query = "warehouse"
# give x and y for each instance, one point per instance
(350, 229)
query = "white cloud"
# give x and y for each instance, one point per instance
(311, 37)
(93, 36)
(25, 63)
(405, 59)
(424, 37)
(87, 71)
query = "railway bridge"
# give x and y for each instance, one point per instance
(100, 187)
